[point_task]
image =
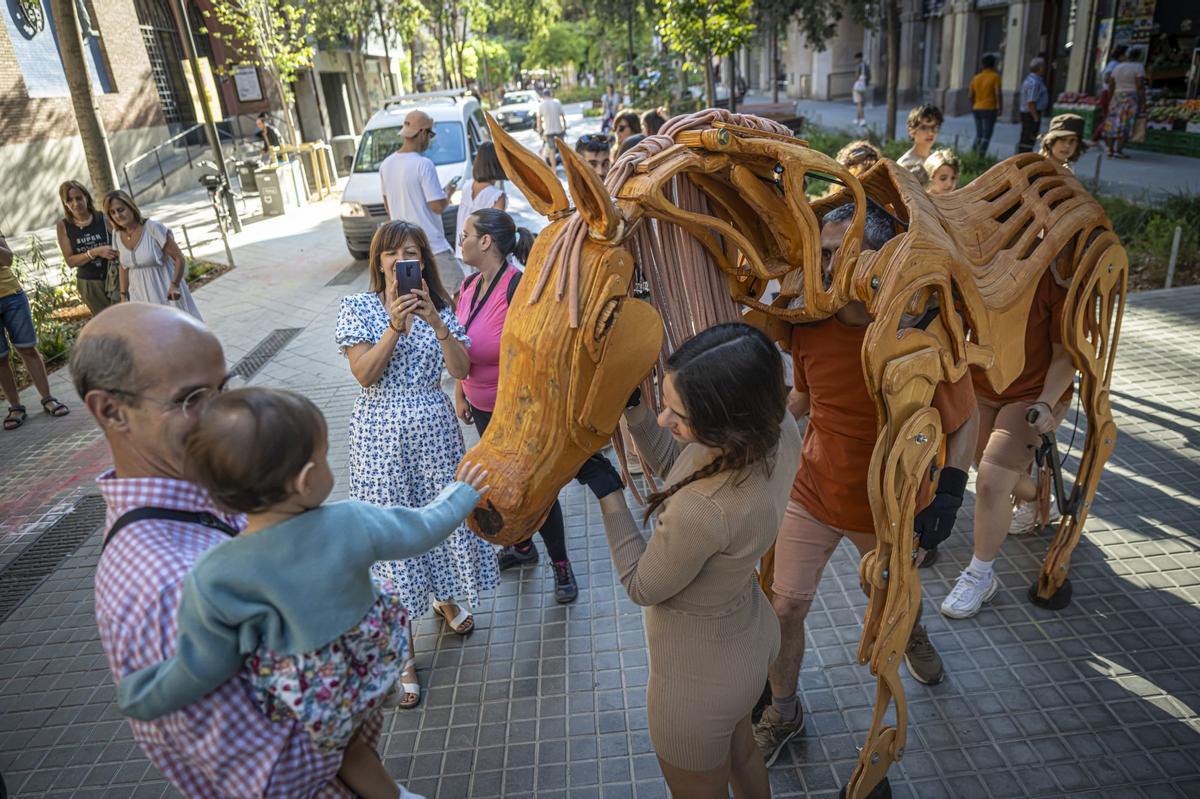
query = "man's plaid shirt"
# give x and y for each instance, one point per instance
(221, 746)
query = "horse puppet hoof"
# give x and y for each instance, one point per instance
(1057, 601)
(881, 791)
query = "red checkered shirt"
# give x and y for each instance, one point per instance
(221, 746)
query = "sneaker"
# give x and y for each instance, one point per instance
(1024, 523)
(931, 556)
(969, 594)
(924, 663)
(772, 733)
(511, 556)
(566, 590)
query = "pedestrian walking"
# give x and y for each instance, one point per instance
(1127, 87)
(292, 593)
(609, 103)
(146, 398)
(862, 80)
(152, 265)
(1011, 425)
(405, 442)
(1035, 102)
(494, 245)
(551, 125)
(943, 168)
(924, 123)
(85, 240)
(727, 449)
(17, 331)
(829, 496)
(596, 149)
(1115, 58)
(411, 193)
(485, 189)
(627, 124)
(1063, 143)
(986, 102)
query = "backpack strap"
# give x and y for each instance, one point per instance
(513, 282)
(203, 518)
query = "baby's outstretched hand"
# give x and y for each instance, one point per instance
(474, 475)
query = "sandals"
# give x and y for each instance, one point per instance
(462, 623)
(16, 417)
(402, 689)
(53, 407)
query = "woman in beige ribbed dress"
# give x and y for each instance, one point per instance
(729, 452)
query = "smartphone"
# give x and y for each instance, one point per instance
(408, 277)
(454, 181)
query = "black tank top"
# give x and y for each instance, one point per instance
(84, 239)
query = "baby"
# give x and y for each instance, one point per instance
(943, 168)
(289, 602)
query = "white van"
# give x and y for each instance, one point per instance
(459, 129)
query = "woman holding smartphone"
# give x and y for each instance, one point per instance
(405, 443)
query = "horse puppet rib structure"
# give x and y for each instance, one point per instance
(707, 214)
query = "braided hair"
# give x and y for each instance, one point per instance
(730, 381)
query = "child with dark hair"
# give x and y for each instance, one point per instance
(924, 122)
(291, 599)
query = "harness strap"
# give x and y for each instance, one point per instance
(203, 518)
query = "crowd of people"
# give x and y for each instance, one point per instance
(285, 620)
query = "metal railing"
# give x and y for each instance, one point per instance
(157, 155)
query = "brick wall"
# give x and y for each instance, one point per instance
(133, 104)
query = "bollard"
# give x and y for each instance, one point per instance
(187, 242)
(1174, 256)
(1096, 176)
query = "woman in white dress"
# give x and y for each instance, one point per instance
(484, 190)
(152, 267)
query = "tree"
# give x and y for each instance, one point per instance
(275, 34)
(772, 17)
(703, 30)
(558, 45)
(83, 97)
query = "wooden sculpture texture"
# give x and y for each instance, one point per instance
(710, 211)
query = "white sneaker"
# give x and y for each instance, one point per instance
(969, 594)
(1023, 519)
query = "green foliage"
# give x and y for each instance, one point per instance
(701, 29)
(488, 62)
(593, 112)
(55, 336)
(1147, 231)
(558, 45)
(275, 34)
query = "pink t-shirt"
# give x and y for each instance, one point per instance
(482, 381)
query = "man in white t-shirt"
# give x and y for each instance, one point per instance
(551, 123)
(411, 193)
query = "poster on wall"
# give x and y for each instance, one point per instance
(1104, 42)
(249, 88)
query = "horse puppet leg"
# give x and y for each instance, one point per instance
(1091, 323)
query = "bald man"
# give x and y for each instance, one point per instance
(128, 371)
(412, 193)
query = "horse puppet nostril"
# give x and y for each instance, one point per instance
(488, 520)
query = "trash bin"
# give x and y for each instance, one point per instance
(344, 148)
(245, 172)
(279, 188)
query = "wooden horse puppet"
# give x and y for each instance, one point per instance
(710, 211)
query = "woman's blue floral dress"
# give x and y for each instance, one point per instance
(405, 447)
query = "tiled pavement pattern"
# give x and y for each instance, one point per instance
(1098, 700)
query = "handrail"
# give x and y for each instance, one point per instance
(162, 175)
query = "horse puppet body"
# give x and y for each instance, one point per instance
(709, 213)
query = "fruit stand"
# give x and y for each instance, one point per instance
(1084, 105)
(1172, 126)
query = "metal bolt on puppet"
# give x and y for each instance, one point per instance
(707, 213)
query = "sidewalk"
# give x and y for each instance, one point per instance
(1144, 174)
(1099, 700)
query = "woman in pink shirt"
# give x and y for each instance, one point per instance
(492, 243)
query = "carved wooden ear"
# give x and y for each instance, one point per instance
(533, 176)
(591, 198)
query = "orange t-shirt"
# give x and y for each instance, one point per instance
(985, 85)
(1042, 331)
(832, 480)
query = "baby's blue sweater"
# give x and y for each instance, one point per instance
(292, 588)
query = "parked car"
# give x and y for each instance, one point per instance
(518, 110)
(459, 129)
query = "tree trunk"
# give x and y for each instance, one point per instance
(733, 82)
(460, 45)
(83, 98)
(710, 82)
(441, 43)
(629, 30)
(893, 65)
(774, 60)
(358, 105)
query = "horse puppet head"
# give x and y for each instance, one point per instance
(568, 362)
